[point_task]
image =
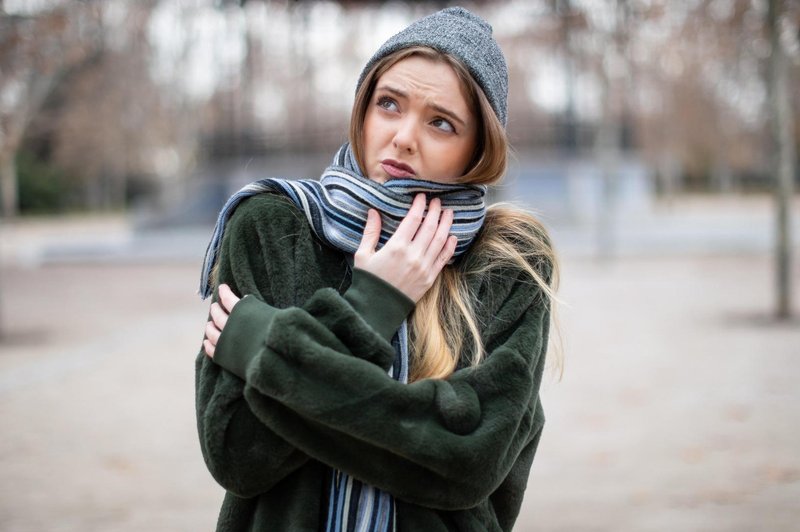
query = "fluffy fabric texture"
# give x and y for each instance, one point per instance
(465, 36)
(299, 385)
(336, 207)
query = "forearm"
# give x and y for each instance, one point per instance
(447, 477)
(363, 319)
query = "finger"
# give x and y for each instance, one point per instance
(208, 348)
(227, 297)
(410, 224)
(212, 333)
(440, 238)
(372, 233)
(447, 252)
(427, 230)
(219, 315)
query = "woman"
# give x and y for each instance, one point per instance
(381, 370)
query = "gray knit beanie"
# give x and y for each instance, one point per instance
(465, 36)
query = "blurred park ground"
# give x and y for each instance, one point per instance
(648, 135)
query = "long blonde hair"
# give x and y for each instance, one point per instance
(444, 322)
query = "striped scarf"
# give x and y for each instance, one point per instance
(336, 207)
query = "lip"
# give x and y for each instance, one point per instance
(397, 169)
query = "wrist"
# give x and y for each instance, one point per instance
(382, 305)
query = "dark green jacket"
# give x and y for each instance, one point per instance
(299, 383)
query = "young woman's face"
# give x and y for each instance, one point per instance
(418, 124)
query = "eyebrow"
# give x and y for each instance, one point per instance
(438, 108)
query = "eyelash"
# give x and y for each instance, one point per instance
(452, 127)
(384, 101)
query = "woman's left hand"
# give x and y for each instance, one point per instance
(219, 317)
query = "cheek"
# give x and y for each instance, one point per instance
(453, 160)
(371, 133)
(466, 152)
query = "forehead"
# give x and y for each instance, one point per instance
(428, 79)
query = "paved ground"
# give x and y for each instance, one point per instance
(679, 408)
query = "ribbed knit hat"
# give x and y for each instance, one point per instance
(465, 36)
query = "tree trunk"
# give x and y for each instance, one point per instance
(783, 160)
(607, 156)
(8, 186)
(8, 189)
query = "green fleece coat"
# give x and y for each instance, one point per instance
(299, 384)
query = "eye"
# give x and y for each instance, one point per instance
(387, 103)
(444, 125)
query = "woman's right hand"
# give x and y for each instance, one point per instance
(413, 257)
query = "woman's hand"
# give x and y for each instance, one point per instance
(416, 253)
(219, 317)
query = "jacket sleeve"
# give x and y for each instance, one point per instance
(316, 376)
(244, 455)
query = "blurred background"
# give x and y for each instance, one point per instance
(657, 141)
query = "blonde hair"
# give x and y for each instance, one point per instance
(444, 321)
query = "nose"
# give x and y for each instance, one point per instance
(405, 137)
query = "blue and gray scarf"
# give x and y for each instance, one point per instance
(336, 207)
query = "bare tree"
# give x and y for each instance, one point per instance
(783, 158)
(111, 109)
(35, 53)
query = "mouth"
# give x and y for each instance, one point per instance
(397, 169)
